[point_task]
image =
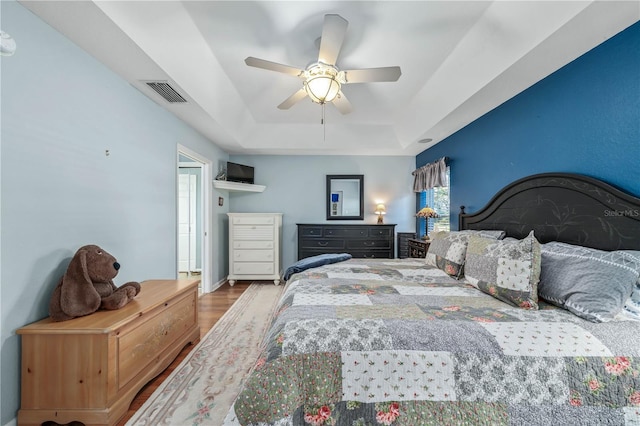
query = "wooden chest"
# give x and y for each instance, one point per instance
(89, 369)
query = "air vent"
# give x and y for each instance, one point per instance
(163, 89)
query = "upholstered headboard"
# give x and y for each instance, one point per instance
(565, 207)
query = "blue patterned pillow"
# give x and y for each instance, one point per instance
(593, 284)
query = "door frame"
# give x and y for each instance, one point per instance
(207, 238)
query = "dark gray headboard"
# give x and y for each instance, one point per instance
(565, 207)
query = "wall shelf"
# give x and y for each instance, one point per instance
(237, 186)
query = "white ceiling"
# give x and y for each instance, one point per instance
(459, 60)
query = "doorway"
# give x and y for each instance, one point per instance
(193, 207)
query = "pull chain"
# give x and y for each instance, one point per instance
(324, 127)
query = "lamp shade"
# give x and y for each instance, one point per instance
(321, 83)
(381, 209)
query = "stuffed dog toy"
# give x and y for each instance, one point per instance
(87, 286)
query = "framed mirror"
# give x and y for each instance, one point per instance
(345, 197)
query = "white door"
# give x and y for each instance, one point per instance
(187, 196)
(193, 211)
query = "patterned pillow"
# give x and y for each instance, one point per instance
(506, 270)
(485, 233)
(447, 250)
(631, 308)
(593, 284)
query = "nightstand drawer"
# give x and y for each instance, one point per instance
(418, 248)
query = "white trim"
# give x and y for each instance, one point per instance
(217, 285)
(207, 241)
(185, 165)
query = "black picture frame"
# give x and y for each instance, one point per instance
(336, 184)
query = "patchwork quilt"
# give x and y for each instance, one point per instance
(397, 342)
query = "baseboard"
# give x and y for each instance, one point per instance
(219, 284)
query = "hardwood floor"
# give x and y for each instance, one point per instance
(211, 308)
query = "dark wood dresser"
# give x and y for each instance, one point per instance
(403, 244)
(361, 241)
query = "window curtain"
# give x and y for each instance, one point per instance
(430, 175)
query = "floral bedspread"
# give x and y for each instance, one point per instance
(396, 342)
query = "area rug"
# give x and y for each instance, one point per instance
(202, 388)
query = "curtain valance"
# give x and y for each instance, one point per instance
(430, 176)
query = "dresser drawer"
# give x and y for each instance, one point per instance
(368, 244)
(320, 243)
(253, 233)
(253, 245)
(345, 232)
(256, 268)
(371, 254)
(379, 232)
(253, 220)
(253, 255)
(311, 232)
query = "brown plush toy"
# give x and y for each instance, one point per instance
(87, 286)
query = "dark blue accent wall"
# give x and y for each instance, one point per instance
(584, 118)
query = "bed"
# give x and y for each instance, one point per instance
(463, 337)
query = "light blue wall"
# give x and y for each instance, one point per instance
(584, 118)
(61, 109)
(296, 187)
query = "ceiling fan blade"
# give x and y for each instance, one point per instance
(333, 31)
(273, 66)
(370, 75)
(293, 99)
(342, 103)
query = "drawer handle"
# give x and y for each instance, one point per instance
(369, 243)
(323, 243)
(312, 232)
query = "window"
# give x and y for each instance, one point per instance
(437, 199)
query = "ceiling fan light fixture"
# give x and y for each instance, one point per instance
(321, 82)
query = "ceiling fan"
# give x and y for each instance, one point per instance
(322, 80)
